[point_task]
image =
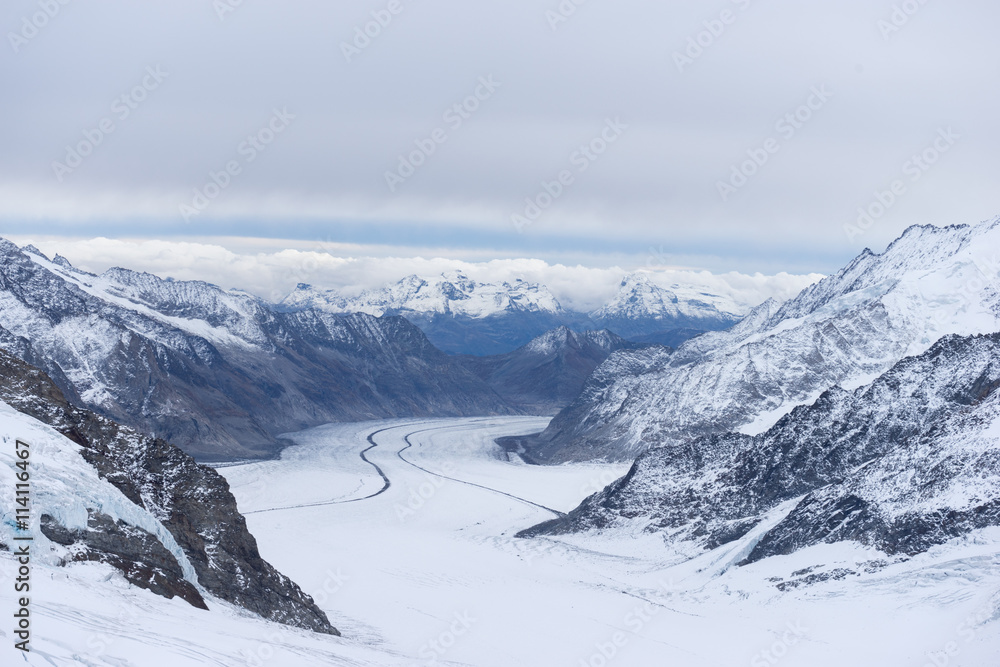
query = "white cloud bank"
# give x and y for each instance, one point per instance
(273, 273)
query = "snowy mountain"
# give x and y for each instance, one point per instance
(220, 373)
(907, 462)
(107, 494)
(464, 316)
(545, 375)
(448, 294)
(845, 330)
(643, 309)
(458, 315)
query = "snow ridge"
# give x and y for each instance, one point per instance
(845, 330)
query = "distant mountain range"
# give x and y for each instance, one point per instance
(223, 373)
(220, 373)
(463, 316)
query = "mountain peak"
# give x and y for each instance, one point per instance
(450, 293)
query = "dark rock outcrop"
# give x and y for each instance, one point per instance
(138, 555)
(908, 462)
(192, 501)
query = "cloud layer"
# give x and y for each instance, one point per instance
(120, 113)
(273, 274)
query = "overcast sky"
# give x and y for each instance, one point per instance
(312, 117)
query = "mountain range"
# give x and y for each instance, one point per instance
(222, 374)
(845, 331)
(902, 464)
(865, 410)
(464, 316)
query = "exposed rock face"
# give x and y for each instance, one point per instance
(219, 373)
(902, 464)
(138, 555)
(192, 501)
(545, 375)
(845, 330)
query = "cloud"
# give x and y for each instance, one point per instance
(558, 86)
(273, 273)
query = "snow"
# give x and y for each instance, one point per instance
(639, 297)
(65, 486)
(429, 572)
(845, 330)
(450, 293)
(102, 288)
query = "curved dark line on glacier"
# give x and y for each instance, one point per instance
(406, 439)
(386, 482)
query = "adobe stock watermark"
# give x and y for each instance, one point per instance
(538, 547)
(32, 25)
(121, 109)
(900, 16)
(658, 257)
(224, 8)
(98, 643)
(364, 34)
(914, 168)
(562, 13)
(598, 484)
(969, 292)
(454, 117)
(584, 156)
(787, 126)
(264, 650)
(772, 655)
(426, 490)
(966, 631)
(249, 149)
(635, 621)
(433, 650)
(704, 39)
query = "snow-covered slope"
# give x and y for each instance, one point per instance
(219, 372)
(845, 330)
(102, 492)
(642, 307)
(905, 463)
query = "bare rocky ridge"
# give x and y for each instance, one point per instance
(192, 501)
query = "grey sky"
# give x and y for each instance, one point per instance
(654, 187)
